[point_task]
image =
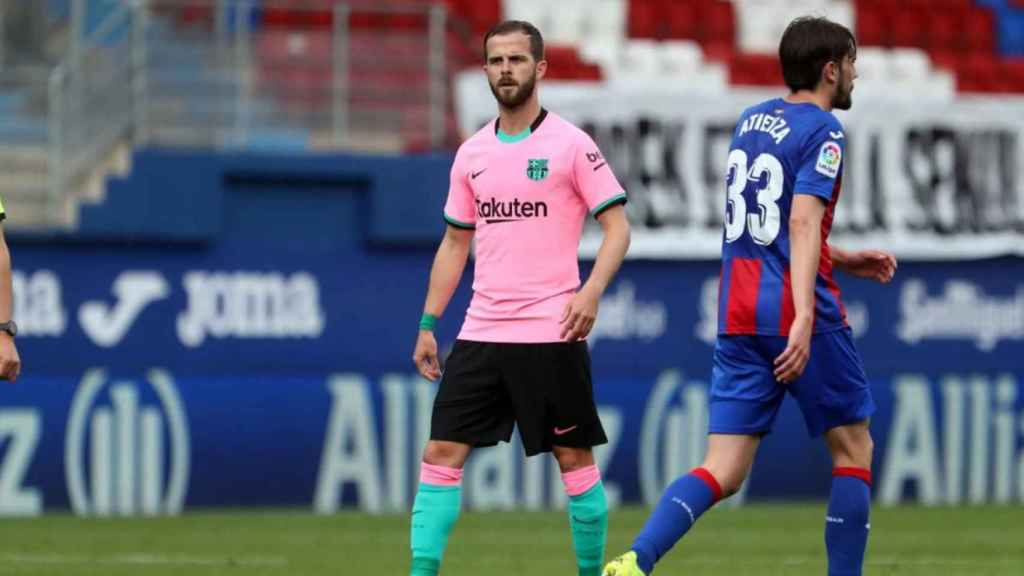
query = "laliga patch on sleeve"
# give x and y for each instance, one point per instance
(829, 158)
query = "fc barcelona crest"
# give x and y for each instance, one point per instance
(537, 169)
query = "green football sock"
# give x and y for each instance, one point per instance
(433, 515)
(588, 518)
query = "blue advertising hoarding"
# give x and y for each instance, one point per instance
(238, 332)
(158, 380)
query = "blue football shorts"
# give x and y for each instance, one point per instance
(745, 396)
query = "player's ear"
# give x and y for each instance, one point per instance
(830, 73)
(542, 69)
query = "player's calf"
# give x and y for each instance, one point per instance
(588, 508)
(847, 522)
(434, 513)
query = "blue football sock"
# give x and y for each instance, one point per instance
(847, 522)
(680, 506)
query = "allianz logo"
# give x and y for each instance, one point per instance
(127, 448)
(673, 435)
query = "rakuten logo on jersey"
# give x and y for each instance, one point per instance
(494, 211)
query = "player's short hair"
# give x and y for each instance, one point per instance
(512, 26)
(807, 45)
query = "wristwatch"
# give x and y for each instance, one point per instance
(10, 327)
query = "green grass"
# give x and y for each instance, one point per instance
(761, 540)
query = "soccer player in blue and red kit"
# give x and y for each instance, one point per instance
(782, 326)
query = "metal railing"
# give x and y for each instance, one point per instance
(227, 74)
(94, 96)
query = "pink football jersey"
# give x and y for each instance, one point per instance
(527, 197)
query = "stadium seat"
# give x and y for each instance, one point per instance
(945, 28)
(684, 20)
(537, 12)
(565, 63)
(566, 23)
(981, 31)
(755, 70)
(872, 66)
(762, 22)
(901, 72)
(605, 21)
(909, 65)
(639, 58)
(681, 57)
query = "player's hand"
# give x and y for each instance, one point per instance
(425, 356)
(10, 362)
(791, 363)
(872, 264)
(579, 315)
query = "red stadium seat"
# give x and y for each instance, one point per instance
(979, 73)
(755, 70)
(906, 27)
(980, 30)
(870, 25)
(720, 22)
(482, 15)
(643, 19)
(564, 63)
(947, 58)
(1013, 69)
(945, 29)
(683, 20)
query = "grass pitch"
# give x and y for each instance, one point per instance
(757, 540)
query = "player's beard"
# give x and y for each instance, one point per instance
(844, 94)
(519, 96)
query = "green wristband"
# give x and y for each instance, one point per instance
(428, 321)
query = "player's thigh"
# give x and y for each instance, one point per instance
(553, 394)
(471, 406)
(833, 391)
(850, 445)
(745, 397)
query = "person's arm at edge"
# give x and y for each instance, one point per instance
(10, 362)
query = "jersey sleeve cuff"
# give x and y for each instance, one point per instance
(613, 201)
(825, 195)
(459, 224)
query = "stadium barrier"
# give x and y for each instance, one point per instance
(267, 364)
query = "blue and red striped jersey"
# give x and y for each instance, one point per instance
(778, 149)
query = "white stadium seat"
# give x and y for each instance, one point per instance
(604, 21)
(681, 57)
(901, 72)
(760, 23)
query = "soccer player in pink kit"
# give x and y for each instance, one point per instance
(523, 185)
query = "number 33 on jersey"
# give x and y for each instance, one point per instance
(778, 150)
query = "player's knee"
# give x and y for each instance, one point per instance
(854, 450)
(731, 484)
(730, 478)
(449, 454)
(865, 448)
(570, 459)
